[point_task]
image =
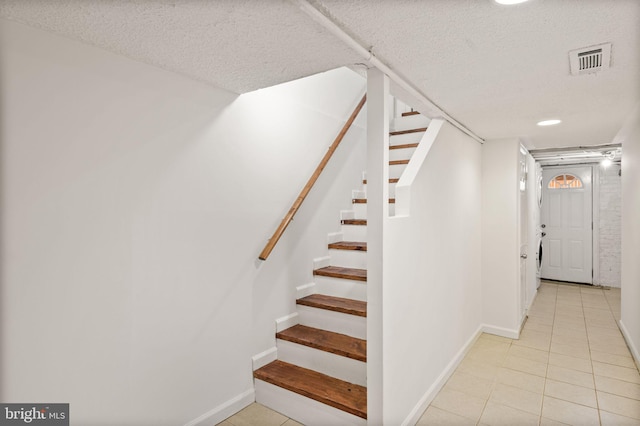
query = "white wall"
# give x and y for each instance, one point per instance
(135, 203)
(432, 275)
(609, 225)
(500, 249)
(629, 136)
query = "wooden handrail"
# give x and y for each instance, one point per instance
(312, 180)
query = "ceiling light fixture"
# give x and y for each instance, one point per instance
(609, 156)
(549, 122)
(510, 2)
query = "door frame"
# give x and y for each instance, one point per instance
(595, 214)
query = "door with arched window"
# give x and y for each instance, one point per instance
(566, 220)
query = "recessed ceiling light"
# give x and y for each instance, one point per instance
(510, 1)
(549, 122)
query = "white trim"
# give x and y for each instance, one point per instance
(501, 331)
(595, 217)
(428, 397)
(334, 237)
(632, 347)
(305, 290)
(264, 358)
(321, 262)
(287, 321)
(225, 410)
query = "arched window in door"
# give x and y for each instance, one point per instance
(565, 181)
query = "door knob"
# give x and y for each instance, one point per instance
(543, 226)
(523, 255)
(544, 234)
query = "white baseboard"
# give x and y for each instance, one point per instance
(334, 237)
(501, 331)
(431, 393)
(630, 343)
(321, 262)
(305, 290)
(264, 358)
(286, 322)
(225, 410)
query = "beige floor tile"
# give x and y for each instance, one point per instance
(459, 403)
(518, 379)
(525, 365)
(571, 393)
(548, 422)
(577, 341)
(610, 419)
(487, 336)
(563, 331)
(594, 313)
(436, 417)
(490, 353)
(292, 422)
(520, 399)
(224, 423)
(257, 414)
(541, 320)
(569, 310)
(599, 331)
(537, 326)
(607, 340)
(574, 351)
(599, 322)
(469, 384)
(619, 405)
(529, 353)
(621, 360)
(570, 362)
(563, 302)
(501, 415)
(535, 343)
(568, 412)
(573, 377)
(618, 387)
(616, 372)
(618, 349)
(478, 369)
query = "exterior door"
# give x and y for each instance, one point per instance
(567, 224)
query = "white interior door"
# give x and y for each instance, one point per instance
(567, 224)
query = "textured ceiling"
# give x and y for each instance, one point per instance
(239, 45)
(496, 69)
(499, 69)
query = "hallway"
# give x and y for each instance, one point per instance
(570, 366)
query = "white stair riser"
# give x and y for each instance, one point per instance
(348, 258)
(410, 122)
(302, 409)
(351, 325)
(401, 154)
(360, 210)
(340, 367)
(392, 189)
(396, 170)
(337, 287)
(405, 138)
(354, 232)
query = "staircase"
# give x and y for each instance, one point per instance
(319, 377)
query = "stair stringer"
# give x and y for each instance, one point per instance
(403, 187)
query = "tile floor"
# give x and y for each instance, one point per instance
(570, 366)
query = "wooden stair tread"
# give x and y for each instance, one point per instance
(407, 114)
(392, 180)
(404, 145)
(328, 390)
(398, 162)
(404, 132)
(340, 272)
(336, 304)
(364, 200)
(359, 222)
(328, 341)
(349, 245)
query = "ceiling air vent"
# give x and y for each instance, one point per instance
(590, 59)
